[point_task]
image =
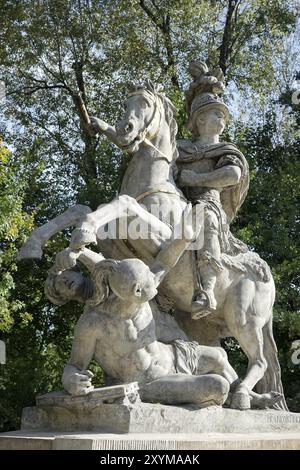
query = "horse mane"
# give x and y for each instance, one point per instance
(169, 108)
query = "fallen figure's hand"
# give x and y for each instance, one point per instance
(77, 382)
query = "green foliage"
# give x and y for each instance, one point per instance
(51, 50)
(14, 225)
(269, 222)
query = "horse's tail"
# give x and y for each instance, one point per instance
(271, 381)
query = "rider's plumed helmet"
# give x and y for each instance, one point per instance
(205, 92)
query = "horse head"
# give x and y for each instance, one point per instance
(145, 112)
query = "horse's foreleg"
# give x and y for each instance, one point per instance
(251, 341)
(122, 206)
(73, 216)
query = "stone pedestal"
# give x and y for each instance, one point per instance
(151, 418)
(114, 418)
(21, 440)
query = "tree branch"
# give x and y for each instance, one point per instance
(228, 34)
(151, 14)
(164, 26)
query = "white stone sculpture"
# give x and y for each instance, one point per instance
(231, 291)
(120, 330)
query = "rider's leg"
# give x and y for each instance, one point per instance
(208, 265)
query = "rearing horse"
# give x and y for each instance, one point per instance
(245, 296)
(148, 132)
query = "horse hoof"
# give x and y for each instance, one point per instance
(81, 237)
(267, 400)
(240, 401)
(32, 249)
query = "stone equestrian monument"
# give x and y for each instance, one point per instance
(166, 281)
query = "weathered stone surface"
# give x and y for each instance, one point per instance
(87, 441)
(215, 277)
(124, 394)
(151, 418)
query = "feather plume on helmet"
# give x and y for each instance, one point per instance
(205, 91)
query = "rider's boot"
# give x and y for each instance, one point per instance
(205, 301)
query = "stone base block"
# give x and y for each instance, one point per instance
(21, 440)
(151, 418)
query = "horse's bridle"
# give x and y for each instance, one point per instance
(142, 136)
(147, 132)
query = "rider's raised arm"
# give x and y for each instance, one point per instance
(100, 126)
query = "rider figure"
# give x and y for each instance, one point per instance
(212, 175)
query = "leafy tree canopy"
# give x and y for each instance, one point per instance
(50, 51)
